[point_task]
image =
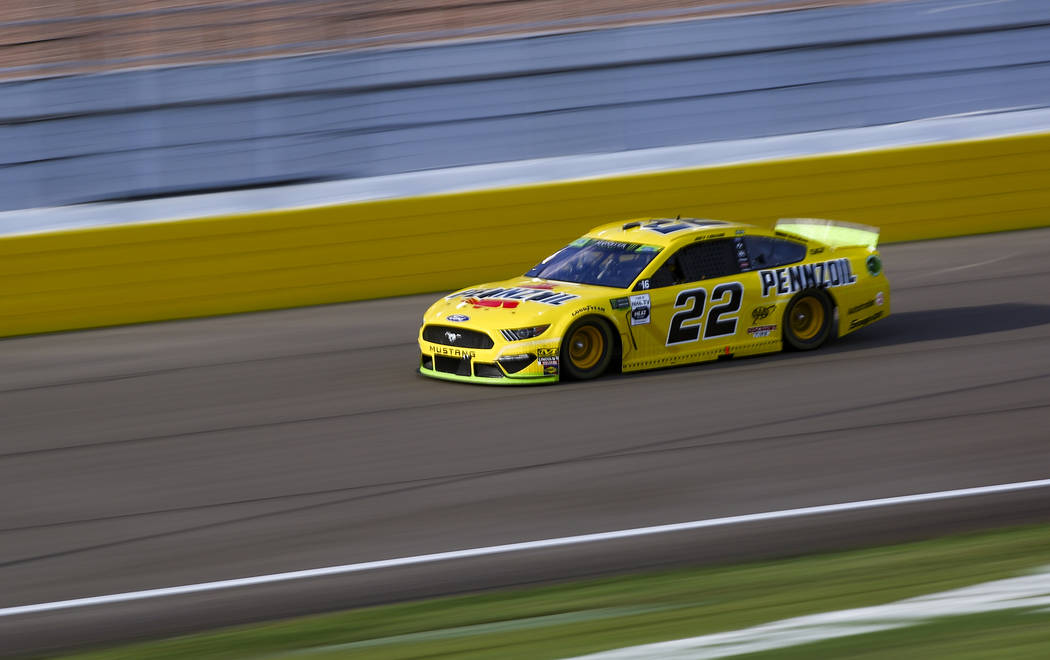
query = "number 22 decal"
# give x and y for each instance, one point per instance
(694, 301)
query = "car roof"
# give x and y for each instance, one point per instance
(648, 230)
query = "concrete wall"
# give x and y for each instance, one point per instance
(156, 271)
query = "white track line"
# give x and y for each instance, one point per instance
(518, 547)
(1020, 593)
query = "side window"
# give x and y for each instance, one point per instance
(787, 252)
(667, 274)
(766, 252)
(708, 259)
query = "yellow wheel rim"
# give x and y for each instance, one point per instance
(586, 347)
(807, 318)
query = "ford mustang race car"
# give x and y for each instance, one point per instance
(660, 292)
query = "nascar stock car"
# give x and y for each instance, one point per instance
(660, 292)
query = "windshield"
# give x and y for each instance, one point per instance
(594, 261)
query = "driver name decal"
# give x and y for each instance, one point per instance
(823, 274)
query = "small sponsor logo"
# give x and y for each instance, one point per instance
(588, 308)
(874, 265)
(879, 299)
(761, 330)
(458, 318)
(546, 352)
(861, 307)
(857, 323)
(759, 313)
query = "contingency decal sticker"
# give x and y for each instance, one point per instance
(640, 309)
(761, 330)
(877, 300)
(550, 365)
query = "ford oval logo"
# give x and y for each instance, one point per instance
(458, 318)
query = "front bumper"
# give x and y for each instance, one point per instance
(478, 380)
(503, 364)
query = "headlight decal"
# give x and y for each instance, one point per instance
(519, 334)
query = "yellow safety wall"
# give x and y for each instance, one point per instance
(149, 272)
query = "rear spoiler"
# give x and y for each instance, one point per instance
(835, 234)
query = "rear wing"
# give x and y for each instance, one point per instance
(835, 234)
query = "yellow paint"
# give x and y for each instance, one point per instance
(149, 272)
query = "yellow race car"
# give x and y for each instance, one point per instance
(660, 292)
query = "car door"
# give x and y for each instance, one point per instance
(767, 255)
(700, 301)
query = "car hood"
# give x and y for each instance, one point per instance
(516, 303)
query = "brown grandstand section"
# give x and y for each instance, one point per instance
(54, 38)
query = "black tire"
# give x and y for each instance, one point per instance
(586, 350)
(807, 320)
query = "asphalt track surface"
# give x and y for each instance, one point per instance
(176, 453)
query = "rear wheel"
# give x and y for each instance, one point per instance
(586, 350)
(807, 320)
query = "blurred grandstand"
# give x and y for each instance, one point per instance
(47, 38)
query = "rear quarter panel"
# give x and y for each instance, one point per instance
(868, 299)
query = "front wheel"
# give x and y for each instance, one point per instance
(807, 320)
(586, 350)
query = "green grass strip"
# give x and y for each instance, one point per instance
(594, 615)
(486, 628)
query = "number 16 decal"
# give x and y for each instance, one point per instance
(683, 330)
